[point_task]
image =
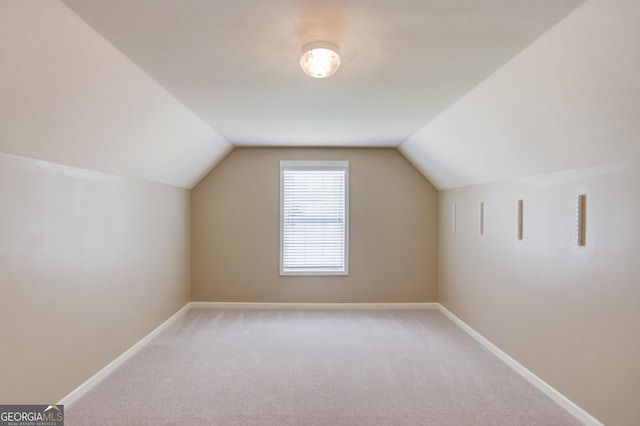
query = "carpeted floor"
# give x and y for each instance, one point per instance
(314, 367)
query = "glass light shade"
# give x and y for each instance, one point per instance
(320, 59)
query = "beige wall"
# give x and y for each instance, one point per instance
(569, 314)
(89, 264)
(235, 231)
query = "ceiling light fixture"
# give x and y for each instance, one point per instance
(320, 59)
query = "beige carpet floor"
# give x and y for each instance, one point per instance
(314, 367)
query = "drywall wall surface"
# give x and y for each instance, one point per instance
(89, 264)
(570, 314)
(235, 231)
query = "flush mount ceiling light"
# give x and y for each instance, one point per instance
(320, 59)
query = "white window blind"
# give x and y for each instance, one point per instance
(314, 217)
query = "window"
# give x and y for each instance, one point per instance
(314, 217)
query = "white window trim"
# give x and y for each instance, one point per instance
(318, 165)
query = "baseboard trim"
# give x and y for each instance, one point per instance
(540, 384)
(100, 375)
(335, 306)
(543, 386)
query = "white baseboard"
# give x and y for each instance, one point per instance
(543, 386)
(560, 399)
(100, 375)
(259, 305)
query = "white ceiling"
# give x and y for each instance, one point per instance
(234, 63)
(471, 91)
(570, 100)
(68, 97)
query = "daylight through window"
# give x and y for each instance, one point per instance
(314, 217)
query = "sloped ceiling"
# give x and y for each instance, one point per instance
(67, 96)
(161, 90)
(570, 100)
(235, 63)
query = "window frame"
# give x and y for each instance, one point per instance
(315, 165)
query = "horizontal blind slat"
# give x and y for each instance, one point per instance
(313, 219)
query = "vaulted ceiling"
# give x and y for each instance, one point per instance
(570, 100)
(470, 91)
